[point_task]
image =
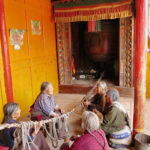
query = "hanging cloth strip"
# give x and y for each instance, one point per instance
(92, 10)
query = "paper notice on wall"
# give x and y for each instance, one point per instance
(16, 47)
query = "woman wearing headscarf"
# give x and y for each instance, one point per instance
(11, 114)
(93, 137)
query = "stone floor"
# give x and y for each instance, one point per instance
(69, 101)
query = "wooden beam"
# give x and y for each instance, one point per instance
(84, 89)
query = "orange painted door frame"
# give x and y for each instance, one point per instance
(5, 54)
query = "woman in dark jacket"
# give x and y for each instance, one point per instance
(11, 114)
(98, 100)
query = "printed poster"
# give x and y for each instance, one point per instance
(36, 27)
(16, 37)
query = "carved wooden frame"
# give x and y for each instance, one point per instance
(126, 52)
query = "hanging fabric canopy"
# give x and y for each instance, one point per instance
(90, 10)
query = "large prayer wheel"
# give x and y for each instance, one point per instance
(100, 46)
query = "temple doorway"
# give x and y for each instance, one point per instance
(96, 52)
(83, 55)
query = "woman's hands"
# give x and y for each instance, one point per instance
(57, 114)
(54, 114)
(74, 137)
(59, 109)
(62, 111)
(86, 104)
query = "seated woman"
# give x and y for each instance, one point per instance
(93, 137)
(11, 114)
(115, 121)
(98, 100)
(44, 106)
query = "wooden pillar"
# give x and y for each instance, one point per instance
(139, 65)
(5, 54)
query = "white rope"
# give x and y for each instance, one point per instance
(34, 123)
(53, 132)
(50, 134)
(55, 128)
(26, 137)
(65, 121)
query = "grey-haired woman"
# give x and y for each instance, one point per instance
(115, 121)
(98, 100)
(93, 137)
(11, 114)
(44, 106)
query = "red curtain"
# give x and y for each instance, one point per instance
(92, 26)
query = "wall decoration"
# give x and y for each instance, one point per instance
(91, 10)
(36, 27)
(64, 56)
(126, 52)
(16, 38)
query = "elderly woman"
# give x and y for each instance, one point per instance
(115, 121)
(11, 114)
(44, 106)
(93, 137)
(98, 100)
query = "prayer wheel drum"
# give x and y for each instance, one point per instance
(142, 142)
(100, 45)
